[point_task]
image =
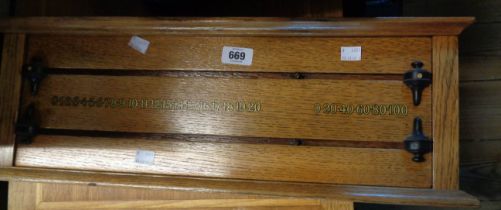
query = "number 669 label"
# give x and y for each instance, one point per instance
(237, 55)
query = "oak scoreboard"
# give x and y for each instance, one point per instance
(356, 108)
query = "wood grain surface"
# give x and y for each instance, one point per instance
(241, 26)
(10, 91)
(195, 53)
(33, 196)
(363, 194)
(185, 204)
(23, 196)
(480, 44)
(480, 98)
(287, 107)
(480, 110)
(362, 166)
(480, 48)
(337, 205)
(480, 172)
(445, 113)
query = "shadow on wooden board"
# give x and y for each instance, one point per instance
(3, 195)
(214, 8)
(372, 8)
(484, 206)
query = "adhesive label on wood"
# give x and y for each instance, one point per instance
(139, 44)
(237, 55)
(352, 53)
(145, 157)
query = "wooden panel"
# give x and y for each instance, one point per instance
(445, 114)
(5, 8)
(480, 51)
(182, 204)
(486, 40)
(480, 67)
(271, 54)
(22, 196)
(398, 195)
(486, 13)
(483, 11)
(337, 205)
(384, 167)
(480, 44)
(67, 196)
(238, 26)
(480, 99)
(480, 110)
(480, 171)
(10, 88)
(54, 192)
(286, 107)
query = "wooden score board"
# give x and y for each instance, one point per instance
(296, 106)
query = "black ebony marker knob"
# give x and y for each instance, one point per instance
(417, 80)
(28, 126)
(417, 143)
(35, 73)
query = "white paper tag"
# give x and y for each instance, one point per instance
(237, 55)
(351, 53)
(145, 157)
(139, 44)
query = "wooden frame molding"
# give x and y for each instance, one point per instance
(383, 195)
(445, 111)
(238, 26)
(179, 204)
(10, 90)
(37, 196)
